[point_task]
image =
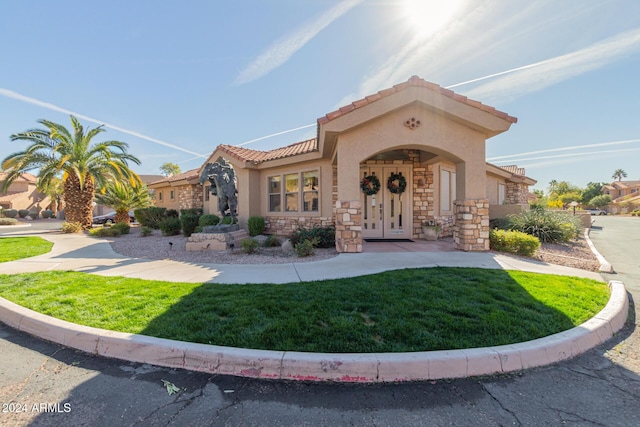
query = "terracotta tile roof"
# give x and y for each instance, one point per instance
(514, 169)
(417, 82)
(188, 175)
(24, 177)
(257, 156)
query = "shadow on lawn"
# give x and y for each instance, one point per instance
(404, 310)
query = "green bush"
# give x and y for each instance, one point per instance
(256, 225)
(8, 221)
(10, 213)
(170, 226)
(189, 223)
(305, 248)
(122, 227)
(249, 245)
(228, 220)
(47, 213)
(547, 226)
(23, 213)
(209, 219)
(150, 217)
(71, 227)
(172, 213)
(105, 232)
(34, 214)
(513, 242)
(272, 241)
(145, 231)
(191, 211)
(324, 236)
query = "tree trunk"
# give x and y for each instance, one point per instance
(122, 216)
(79, 201)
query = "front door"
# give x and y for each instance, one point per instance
(387, 214)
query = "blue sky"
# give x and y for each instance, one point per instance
(175, 79)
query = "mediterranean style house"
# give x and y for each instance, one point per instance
(625, 195)
(22, 194)
(379, 168)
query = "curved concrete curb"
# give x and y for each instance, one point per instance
(605, 267)
(380, 367)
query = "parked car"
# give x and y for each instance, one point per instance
(597, 212)
(109, 218)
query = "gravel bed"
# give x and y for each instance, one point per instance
(574, 254)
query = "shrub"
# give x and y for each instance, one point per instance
(150, 217)
(71, 227)
(209, 219)
(170, 226)
(547, 226)
(189, 223)
(8, 221)
(513, 242)
(324, 236)
(122, 227)
(272, 241)
(256, 225)
(305, 248)
(10, 213)
(172, 213)
(191, 211)
(249, 245)
(105, 232)
(145, 231)
(47, 213)
(23, 213)
(228, 220)
(34, 214)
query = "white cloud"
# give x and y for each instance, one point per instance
(280, 52)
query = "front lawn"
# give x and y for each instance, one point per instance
(13, 248)
(403, 310)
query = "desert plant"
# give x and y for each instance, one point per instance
(249, 245)
(8, 221)
(122, 227)
(228, 220)
(256, 225)
(272, 241)
(170, 226)
(547, 226)
(123, 197)
(145, 231)
(514, 242)
(105, 232)
(189, 224)
(305, 248)
(47, 213)
(326, 236)
(191, 211)
(71, 227)
(23, 213)
(150, 217)
(34, 214)
(208, 219)
(10, 213)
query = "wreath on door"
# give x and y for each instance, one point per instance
(370, 185)
(397, 183)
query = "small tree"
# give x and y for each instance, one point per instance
(170, 169)
(124, 197)
(600, 201)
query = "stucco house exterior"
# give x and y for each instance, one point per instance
(624, 195)
(423, 144)
(22, 194)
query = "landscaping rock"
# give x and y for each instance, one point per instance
(261, 239)
(286, 246)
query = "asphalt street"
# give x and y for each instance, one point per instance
(44, 384)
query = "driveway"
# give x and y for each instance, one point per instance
(52, 385)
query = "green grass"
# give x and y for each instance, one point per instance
(403, 310)
(13, 248)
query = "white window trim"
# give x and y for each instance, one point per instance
(283, 194)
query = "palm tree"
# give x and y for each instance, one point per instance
(619, 174)
(83, 165)
(552, 185)
(124, 197)
(54, 189)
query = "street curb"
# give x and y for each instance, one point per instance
(350, 367)
(605, 267)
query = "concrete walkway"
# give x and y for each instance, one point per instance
(87, 254)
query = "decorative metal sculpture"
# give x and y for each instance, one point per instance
(223, 185)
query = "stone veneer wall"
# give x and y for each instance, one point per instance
(516, 193)
(472, 225)
(348, 216)
(285, 225)
(190, 196)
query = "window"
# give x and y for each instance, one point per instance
(501, 193)
(159, 195)
(299, 192)
(171, 195)
(207, 192)
(447, 189)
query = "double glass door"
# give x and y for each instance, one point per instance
(387, 214)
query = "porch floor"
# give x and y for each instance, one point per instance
(418, 245)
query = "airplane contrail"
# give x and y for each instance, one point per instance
(550, 150)
(569, 155)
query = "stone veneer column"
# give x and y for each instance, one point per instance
(471, 232)
(348, 215)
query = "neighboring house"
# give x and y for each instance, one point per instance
(418, 135)
(22, 194)
(624, 194)
(177, 192)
